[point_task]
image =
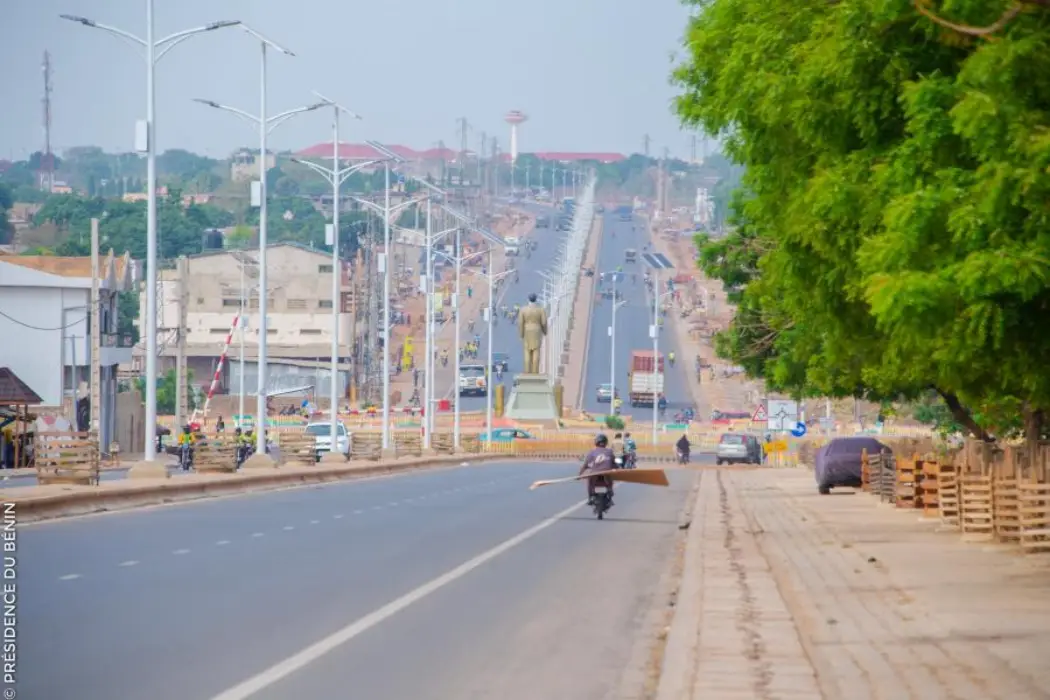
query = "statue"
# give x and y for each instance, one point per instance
(532, 327)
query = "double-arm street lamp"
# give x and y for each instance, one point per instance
(266, 125)
(156, 49)
(658, 262)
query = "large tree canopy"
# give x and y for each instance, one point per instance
(893, 234)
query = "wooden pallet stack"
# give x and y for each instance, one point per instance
(1033, 517)
(976, 506)
(948, 495)
(1006, 510)
(907, 493)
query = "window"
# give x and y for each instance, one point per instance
(297, 304)
(231, 302)
(217, 331)
(324, 269)
(309, 331)
(324, 304)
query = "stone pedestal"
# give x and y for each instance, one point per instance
(532, 399)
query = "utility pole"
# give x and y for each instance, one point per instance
(355, 347)
(645, 145)
(464, 128)
(692, 151)
(95, 402)
(495, 167)
(444, 164)
(482, 184)
(181, 408)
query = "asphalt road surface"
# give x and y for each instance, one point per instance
(505, 332)
(632, 326)
(457, 583)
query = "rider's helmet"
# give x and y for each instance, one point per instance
(186, 428)
(601, 440)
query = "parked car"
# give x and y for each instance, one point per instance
(838, 462)
(605, 393)
(507, 435)
(738, 447)
(323, 440)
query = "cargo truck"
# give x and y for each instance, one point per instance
(646, 378)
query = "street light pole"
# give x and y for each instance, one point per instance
(455, 381)
(386, 306)
(155, 50)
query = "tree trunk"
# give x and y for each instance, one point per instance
(1033, 429)
(963, 416)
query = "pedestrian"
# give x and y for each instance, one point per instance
(220, 425)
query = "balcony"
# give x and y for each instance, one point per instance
(116, 349)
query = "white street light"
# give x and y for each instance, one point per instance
(155, 50)
(390, 157)
(266, 125)
(612, 338)
(335, 176)
(657, 261)
(458, 260)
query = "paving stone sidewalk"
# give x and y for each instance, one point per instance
(788, 594)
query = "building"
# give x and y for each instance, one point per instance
(299, 317)
(244, 165)
(44, 311)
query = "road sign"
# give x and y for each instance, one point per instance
(799, 430)
(783, 415)
(760, 414)
(776, 446)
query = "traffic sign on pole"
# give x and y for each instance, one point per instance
(760, 414)
(799, 430)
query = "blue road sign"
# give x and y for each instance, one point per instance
(799, 429)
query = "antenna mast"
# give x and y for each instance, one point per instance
(47, 163)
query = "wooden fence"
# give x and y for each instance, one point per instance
(986, 493)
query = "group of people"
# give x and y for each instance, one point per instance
(193, 434)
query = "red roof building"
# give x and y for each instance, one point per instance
(362, 151)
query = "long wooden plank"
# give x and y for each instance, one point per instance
(649, 477)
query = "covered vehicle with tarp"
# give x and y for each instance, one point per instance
(838, 462)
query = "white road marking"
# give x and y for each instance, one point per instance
(68, 577)
(393, 505)
(339, 516)
(220, 543)
(377, 508)
(358, 512)
(289, 527)
(129, 562)
(257, 534)
(303, 658)
(315, 522)
(181, 551)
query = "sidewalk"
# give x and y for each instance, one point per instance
(580, 333)
(788, 594)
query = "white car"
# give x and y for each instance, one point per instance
(323, 439)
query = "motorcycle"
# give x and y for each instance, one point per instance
(630, 460)
(683, 456)
(602, 500)
(186, 457)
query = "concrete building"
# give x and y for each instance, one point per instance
(45, 305)
(244, 165)
(299, 317)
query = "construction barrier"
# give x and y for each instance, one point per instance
(67, 458)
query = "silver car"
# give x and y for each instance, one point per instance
(738, 448)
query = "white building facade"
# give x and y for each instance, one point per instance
(45, 331)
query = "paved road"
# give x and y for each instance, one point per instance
(632, 326)
(457, 583)
(505, 333)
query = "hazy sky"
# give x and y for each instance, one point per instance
(592, 75)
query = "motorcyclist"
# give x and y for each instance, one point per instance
(600, 459)
(662, 404)
(683, 447)
(630, 451)
(186, 440)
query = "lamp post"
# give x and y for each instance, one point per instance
(156, 49)
(336, 176)
(266, 125)
(656, 261)
(612, 338)
(492, 280)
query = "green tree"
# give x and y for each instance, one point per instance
(892, 236)
(167, 391)
(6, 202)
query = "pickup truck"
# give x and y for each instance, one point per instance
(473, 380)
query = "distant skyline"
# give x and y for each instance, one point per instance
(595, 79)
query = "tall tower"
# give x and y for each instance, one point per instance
(47, 163)
(515, 118)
